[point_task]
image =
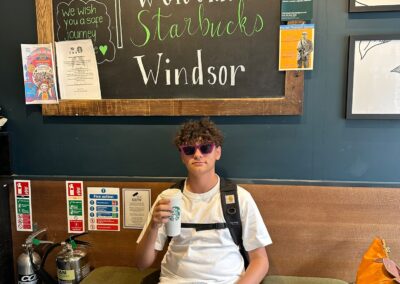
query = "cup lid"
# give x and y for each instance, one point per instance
(171, 192)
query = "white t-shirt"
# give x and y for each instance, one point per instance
(209, 256)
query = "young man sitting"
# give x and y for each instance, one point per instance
(211, 255)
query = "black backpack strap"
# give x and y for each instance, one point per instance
(231, 210)
(204, 226)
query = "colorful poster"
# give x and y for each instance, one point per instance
(39, 75)
(75, 208)
(104, 208)
(297, 10)
(137, 203)
(23, 205)
(296, 47)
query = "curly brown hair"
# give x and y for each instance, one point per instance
(197, 131)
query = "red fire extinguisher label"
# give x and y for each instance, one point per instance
(23, 205)
(75, 208)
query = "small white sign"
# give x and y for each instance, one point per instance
(23, 205)
(137, 203)
(75, 208)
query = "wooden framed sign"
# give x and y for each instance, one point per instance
(176, 57)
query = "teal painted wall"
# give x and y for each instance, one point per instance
(319, 145)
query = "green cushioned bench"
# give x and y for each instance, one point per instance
(300, 280)
(116, 275)
(130, 275)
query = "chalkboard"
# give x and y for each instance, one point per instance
(177, 57)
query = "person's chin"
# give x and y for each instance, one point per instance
(198, 167)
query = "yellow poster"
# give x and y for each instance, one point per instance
(296, 47)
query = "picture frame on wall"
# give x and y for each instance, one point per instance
(373, 86)
(374, 5)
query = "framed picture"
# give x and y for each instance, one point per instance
(374, 5)
(373, 87)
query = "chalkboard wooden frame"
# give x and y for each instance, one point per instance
(291, 103)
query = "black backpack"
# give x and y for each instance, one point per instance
(231, 211)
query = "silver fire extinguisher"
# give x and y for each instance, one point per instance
(72, 263)
(26, 272)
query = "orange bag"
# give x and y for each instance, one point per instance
(376, 267)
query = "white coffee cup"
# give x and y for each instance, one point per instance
(173, 226)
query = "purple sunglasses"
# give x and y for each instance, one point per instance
(205, 148)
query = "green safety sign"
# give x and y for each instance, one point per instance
(75, 208)
(23, 206)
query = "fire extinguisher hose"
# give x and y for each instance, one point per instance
(46, 278)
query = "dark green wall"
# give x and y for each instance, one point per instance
(319, 145)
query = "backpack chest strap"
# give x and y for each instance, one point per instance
(204, 226)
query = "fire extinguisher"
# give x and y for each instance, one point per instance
(72, 261)
(27, 260)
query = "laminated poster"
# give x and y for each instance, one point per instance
(23, 205)
(75, 208)
(39, 76)
(104, 208)
(296, 47)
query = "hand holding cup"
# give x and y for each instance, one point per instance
(161, 212)
(173, 222)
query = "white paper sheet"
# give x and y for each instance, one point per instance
(137, 205)
(77, 70)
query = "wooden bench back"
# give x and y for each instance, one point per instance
(319, 231)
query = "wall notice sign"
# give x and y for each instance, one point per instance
(77, 70)
(297, 10)
(136, 207)
(296, 47)
(104, 209)
(23, 205)
(75, 208)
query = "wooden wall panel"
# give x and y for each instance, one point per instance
(317, 231)
(324, 231)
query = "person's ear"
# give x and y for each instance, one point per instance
(218, 152)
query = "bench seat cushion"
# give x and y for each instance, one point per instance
(130, 275)
(274, 279)
(116, 275)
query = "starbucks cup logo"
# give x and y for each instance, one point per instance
(176, 214)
